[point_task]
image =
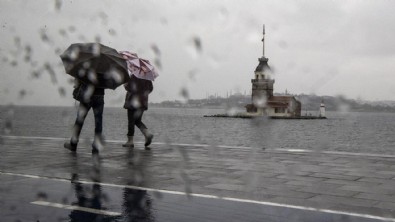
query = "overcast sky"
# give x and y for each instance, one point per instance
(324, 47)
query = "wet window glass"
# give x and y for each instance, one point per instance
(197, 110)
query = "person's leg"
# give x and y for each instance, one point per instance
(138, 115)
(83, 110)
(98, 113)
(131, 123)
(143, 127)
(98, 108)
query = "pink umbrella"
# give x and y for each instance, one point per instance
(141, 68)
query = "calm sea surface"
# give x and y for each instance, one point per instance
(349, 132)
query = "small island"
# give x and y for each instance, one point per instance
(264, 103)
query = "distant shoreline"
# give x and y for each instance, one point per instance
(221, 109)
(310, 103)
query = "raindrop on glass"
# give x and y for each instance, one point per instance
(63, 32)
(155, 49)
(51, 72)
(112, 32)
(184, 93)
(14, 63)
(158, 63)
(198, 44)
(58, 5)
(22, 93)
(86, 65)
(96, 49)
(71, 29)
(17, 41)
(74, 53)
(42, 196)
(92, 76)
(62, 91)
(44, 36)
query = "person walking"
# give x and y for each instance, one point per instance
(89, 97)
(136, 102)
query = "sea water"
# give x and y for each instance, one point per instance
(342, 131)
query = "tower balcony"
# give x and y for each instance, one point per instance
(262, 81)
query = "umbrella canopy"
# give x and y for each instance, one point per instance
(141, 68)
(95, 64)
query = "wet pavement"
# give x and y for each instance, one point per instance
(41, 181)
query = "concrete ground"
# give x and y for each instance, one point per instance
(42, 181)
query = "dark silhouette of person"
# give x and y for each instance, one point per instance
(137, 206)
(88, 199)
(136, 102)
(89, 97)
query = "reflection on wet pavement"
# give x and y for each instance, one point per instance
(80, 201)
(165, 184)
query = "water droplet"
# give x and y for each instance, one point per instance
(86, 65)
(72, 29)
(158, 63)
(184, 93)
(81, 73)
(71, 81)
(198, 44)
(36, 74)
(115, 75)
(58, 5)
(51, 72)
(103, 16)
(97, 39)
(155, 49)
(58, 51)
(135, 102)
(27, 58)
(194, 47)
(42, 196)
(14, 63)
(112, 32)
(92, 76)
(63, 32)
(259, 101)
(44, 37)
(62, 91)
(8, 126)
(74, 53)
(17, 42)
(96, 48)
(22, 93)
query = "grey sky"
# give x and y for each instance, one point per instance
(326, 47)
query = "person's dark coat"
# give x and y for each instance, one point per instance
(137, 93)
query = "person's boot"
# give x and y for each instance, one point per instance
(98, 144)
(129, 143)
(148, 137)
(70, 146)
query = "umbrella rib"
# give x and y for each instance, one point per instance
(117, 61)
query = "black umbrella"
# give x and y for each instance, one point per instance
(95, 64)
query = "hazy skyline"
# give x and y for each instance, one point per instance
(324, 47)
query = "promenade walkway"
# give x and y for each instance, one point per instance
(196, 182)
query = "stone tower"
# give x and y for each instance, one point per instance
(262, 85)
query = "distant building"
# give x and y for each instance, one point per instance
(263, 100)
(322, 109)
